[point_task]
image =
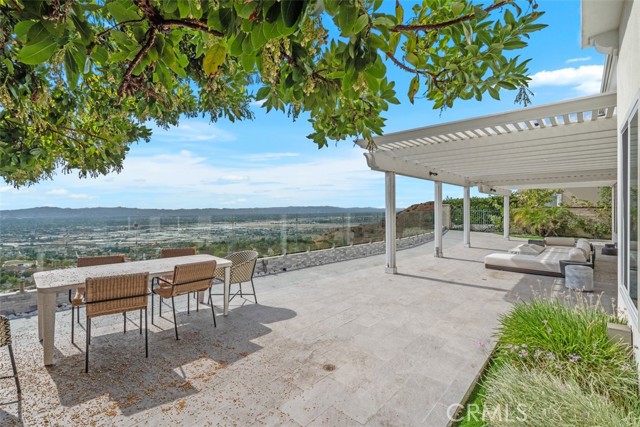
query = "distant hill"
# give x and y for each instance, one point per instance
(51, 212)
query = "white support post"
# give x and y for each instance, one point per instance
(466, 223)
(506, 217)
(390, 221)
(437, 219)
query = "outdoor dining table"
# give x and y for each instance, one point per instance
(49, 283)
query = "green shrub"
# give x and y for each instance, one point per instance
(535, 398)
(572, 343)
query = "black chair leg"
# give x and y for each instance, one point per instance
(87, 342)
(15, 370)
(160, 306)
(212, 312)
(78, 315)
(175, 322)
(241, 295)
(141, 322)
(72, 321)
(188, 304)
(152, 298)
(124, 316)
(146, 333)
(254, 291)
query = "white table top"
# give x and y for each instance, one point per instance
(70, 278)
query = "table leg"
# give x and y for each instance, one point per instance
(227, 285)
(47, 323)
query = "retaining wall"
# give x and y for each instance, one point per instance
(14, 303)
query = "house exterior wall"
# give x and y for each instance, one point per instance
(628, 85)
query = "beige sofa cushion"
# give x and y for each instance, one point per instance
(577, 254)
(559, 241)
(584, 245)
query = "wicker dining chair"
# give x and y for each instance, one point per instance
(5, 341)
(114, 295)
(242, 270)
(187, 278)
(174, 252)
(78, 299)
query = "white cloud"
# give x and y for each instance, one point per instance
(262, 157)
(581, 59)
(62, 192)
(6, 189)
(258, 102)
(186, 180)
(233, 178)
(192, 131)
(585, 80)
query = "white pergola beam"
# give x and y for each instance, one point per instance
(548, 110)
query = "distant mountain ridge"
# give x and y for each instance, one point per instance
(118, 212)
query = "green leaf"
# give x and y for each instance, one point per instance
(248, 60)
(493, 92)
(38, 33)
(411, 59)
(184, 8)
(384, 22)
(413, 88)
(292, 11)
(399, 12)
(22, 29)
(361, 23)
(84, 30)
(213, 59)
(38, 53)
(121, 13)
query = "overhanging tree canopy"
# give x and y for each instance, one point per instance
(80, 78)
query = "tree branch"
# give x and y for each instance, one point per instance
(130, 21)
(126, 79)
(438, 25)
(190, 23)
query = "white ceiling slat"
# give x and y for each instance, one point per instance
(585, 131)
(609, 112)
(519, 149)
(548, 110)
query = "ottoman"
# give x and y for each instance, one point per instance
(578, 277)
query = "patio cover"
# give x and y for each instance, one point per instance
(565, 144)
(570, 143)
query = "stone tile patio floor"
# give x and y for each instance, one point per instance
(337, 345)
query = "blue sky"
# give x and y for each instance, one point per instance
(269, 162)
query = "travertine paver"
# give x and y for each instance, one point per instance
(340, 344)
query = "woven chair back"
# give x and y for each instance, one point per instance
(90, 261)
(193, 277)
(5, 332)
(173, 252)
(243, 265)
(116, 294)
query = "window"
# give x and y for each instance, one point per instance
(630, 184)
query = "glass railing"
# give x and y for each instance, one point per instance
(30, 245)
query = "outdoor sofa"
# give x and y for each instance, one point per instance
(547, 257)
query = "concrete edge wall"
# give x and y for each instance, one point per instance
(15, 303)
